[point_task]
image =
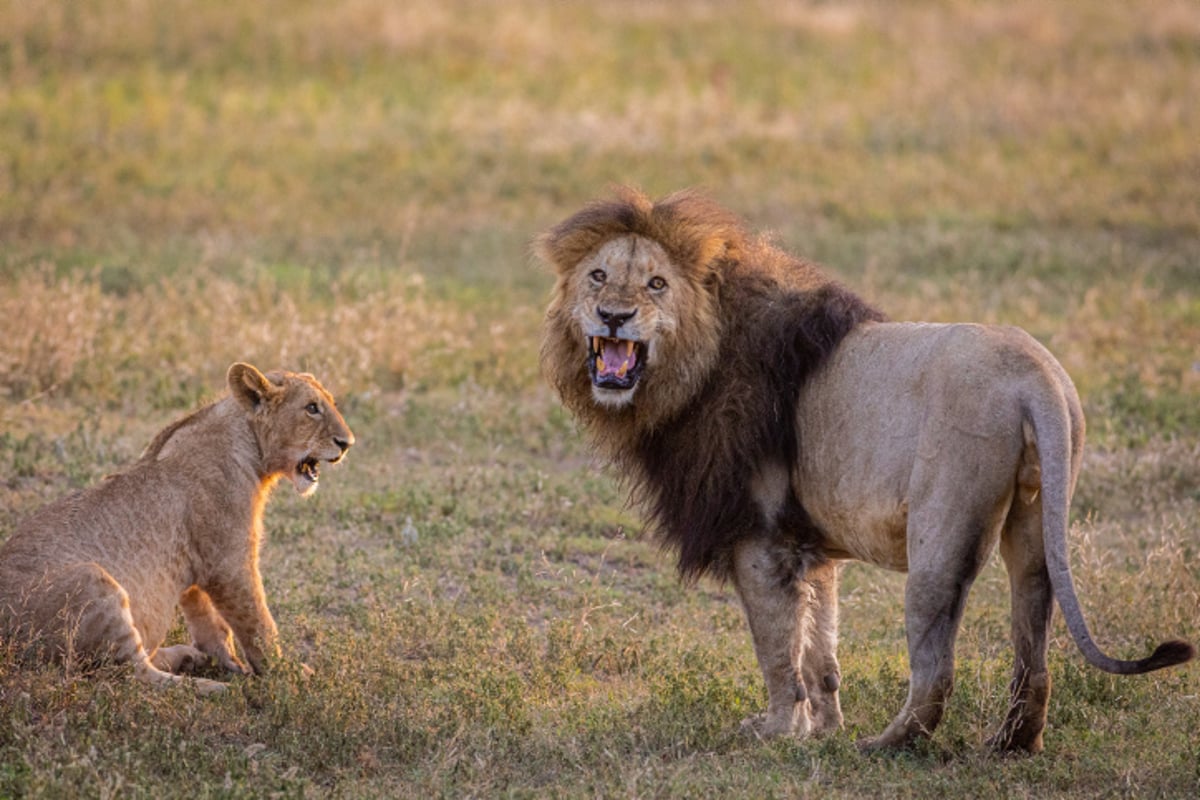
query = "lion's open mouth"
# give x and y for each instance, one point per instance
(615, 363)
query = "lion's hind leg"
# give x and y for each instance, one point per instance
(934, 598)
(933, 611)
(1024, 556)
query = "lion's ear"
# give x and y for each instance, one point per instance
(565, 246)
(544, 250)
(248, 385)
(703, 236)
(714, 250)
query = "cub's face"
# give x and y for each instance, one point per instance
(308, 429)
(296, 423)
(627, 303)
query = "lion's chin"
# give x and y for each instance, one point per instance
(613, 398)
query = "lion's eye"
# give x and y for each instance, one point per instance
(313, 408)
(598, 276)
(657, 283)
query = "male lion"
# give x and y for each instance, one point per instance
(99, 572)
(773, 424)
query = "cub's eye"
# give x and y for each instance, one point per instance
(313, 408)
(598, 276)
(657, 283)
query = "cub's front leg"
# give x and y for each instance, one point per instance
(242, 603)
(211, 635)
(773, 598)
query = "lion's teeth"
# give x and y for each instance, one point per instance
(599, 364)
(628, 348)
(595, 344)
(621, 372)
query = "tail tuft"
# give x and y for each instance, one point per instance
(1168, 654)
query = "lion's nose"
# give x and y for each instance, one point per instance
(614, 319)
(344, 444)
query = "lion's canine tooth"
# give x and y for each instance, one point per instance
(595, 344)
(599, 364)
(628, 347)
(621, 372)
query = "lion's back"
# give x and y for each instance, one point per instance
(898, 402)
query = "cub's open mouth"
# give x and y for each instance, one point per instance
(309, 470)
(615, 363)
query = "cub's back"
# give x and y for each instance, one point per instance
(128, 523)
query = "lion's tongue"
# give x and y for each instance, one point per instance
(617, 357)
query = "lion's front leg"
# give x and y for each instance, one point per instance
(772, 597)
(819, 664)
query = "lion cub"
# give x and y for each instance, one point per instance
(99, 572)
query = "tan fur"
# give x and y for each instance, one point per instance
(919, 448)
(98, 574)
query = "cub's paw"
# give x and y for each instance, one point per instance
(180, 659)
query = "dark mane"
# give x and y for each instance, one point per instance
(693, 440)
(693, 473)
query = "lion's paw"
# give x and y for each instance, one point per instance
(887, 742)
(772, 726)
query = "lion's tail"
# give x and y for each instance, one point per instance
(1055, 415)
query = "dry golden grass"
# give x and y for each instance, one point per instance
(333, 121)
(69, 335)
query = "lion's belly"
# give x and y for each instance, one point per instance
(868, 527)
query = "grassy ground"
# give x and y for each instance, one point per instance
(351, 188)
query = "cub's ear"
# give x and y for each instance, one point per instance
(248, 385)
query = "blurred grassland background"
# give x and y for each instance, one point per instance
(350, 188)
